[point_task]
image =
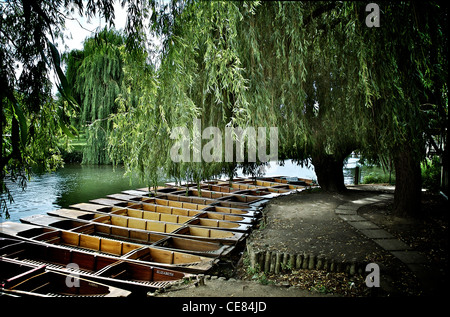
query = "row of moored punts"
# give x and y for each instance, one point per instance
(133, 242)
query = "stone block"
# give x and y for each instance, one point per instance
(409, 257)
(363, 225)
(376, 234)
(392, 244)
(345, 212)
(352, 218)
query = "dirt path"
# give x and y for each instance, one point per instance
(307, 223)
(220, 287)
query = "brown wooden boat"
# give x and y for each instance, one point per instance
(289, 180)
(199, 219)
(135, 277)
(207, 199)
(174, 260)
(277, 182)
(180, 196)
(102, 226)
(162, 213)
(196, 203)
(251, 190)
(175, 207)
(248, 189)
(136, 210)
(127, 218)
(25, 279)
(202, 203)
(226, 199)
(244, 199)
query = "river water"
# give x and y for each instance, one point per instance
(80, 183)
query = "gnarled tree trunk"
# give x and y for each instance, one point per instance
(329, 171)
(408, 184)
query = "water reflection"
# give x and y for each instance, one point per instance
(69, 185)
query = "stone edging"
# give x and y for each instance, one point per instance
(399, 249)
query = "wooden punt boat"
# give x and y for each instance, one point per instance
(144, 212)
(193, 200)
(25, 279)
(124, 203)
(209, 181)
(219, 181)
(273, 182)
(191, 197)
(170, 229)
(220, 188)
(135, 277)
(289, 180)
(176, 200)
(162, 213)
(226, 199)
(102, 226)
(155, 256)
(266, 192)
(242, 188)
(187, 203)
(159, 189)
(225, 207)
(173, 207)
(245, 199)
(206, 199)
(261, 193)
(200, 219)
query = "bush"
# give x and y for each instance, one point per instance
(377, 178)
(72, 157)
(431, 174)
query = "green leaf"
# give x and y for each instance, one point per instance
(19, 115)
(64, 88)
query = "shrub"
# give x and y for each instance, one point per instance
(377, 178)
(431, 174)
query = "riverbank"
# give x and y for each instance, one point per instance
(310, 226)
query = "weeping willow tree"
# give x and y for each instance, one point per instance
(240, 64)
(408, 62)
(138, 131)
(96, 74)
(301, 60)
(315, 70)
(200, 77)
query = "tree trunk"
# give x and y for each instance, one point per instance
(444, 168)
(329, 171)
(408, 184)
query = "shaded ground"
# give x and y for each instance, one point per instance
(218, 287)
(306, 222)
(428, 235)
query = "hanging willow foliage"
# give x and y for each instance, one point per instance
(97, 76)
(258, 64)
(200, 76)
(314, 70)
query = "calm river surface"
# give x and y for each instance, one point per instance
(80, 183)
